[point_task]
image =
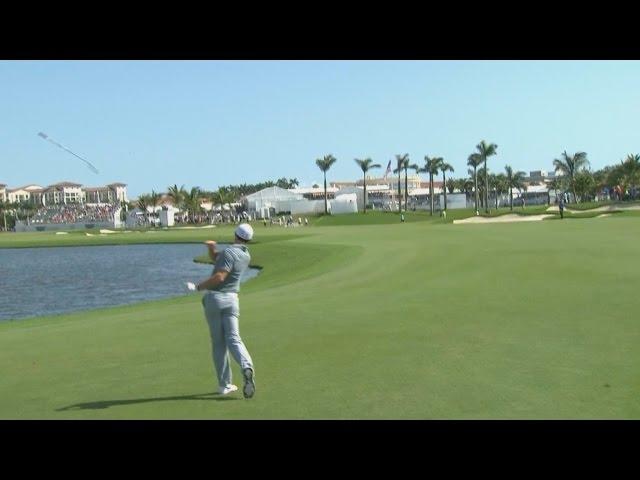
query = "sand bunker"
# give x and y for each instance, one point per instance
(61, 233)
(504, 219)
(107, 231)
(602, 215)
(606, 208)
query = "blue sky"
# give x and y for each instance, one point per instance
(151, 124)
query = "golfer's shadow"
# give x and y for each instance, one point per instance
(113, 403)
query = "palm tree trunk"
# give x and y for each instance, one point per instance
(511, 198)
(486, 187)
(431, 190)
(365, 193)
(399, 193)
(325, 193)
(406, 190)
(444, 188)
(475, 181)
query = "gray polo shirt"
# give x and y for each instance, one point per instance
(233, 259)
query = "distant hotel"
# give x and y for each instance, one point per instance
(63, 193)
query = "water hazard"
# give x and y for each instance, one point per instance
(46, 281)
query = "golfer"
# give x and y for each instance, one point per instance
(561, 206)
(222, 309)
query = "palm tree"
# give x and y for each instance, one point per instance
(223, 196)
(324, 164)
(192, 202)
(514, 180)
(521, 189)
(631, 170)
(176, 195)
(486, 150)
(406, 185)
(555, 184)
(570, 165)
(143, 203)
(585, 184)
(451, 185)
(500, 185)
(445, 167)
(153, 201)
(416, 168)
(432, 166)
(466, 185)
(214, 198)
(474, 161)
(365, 166)
(401, 161)
(3, 207)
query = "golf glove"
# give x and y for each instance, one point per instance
(191, 287)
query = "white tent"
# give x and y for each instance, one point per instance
(272, 197)
(346, 203)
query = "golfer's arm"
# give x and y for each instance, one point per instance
(213, 281)
(212, 252)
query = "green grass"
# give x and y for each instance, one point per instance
(416, 320)
(223, 234)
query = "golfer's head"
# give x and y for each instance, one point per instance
(244, 232)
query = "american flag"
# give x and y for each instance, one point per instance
(388, 170)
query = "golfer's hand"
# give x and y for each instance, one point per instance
(191, 287)
(210, 243)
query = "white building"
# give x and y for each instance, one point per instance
(542, 176)
(65, 192)
(315, 193)
(391, 181)
(108, 194)
(25, 194)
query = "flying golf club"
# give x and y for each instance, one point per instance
(46, 137)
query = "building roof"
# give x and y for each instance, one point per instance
(537, 189)
(116, 184)
(28, 188)
(341, 184)
(436, 184)
(307, 190)
(65, 184)
(391, 177)
(424, 191)
(274, 193)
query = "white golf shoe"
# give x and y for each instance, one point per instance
(227, 389)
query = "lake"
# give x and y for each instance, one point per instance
(46, 281)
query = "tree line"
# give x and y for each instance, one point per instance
(621, 180)
(190, 200)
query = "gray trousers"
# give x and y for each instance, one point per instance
(222, 311)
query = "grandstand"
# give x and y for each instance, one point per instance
(72, 217)
(75, 213)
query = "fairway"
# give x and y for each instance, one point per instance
(379, 320)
